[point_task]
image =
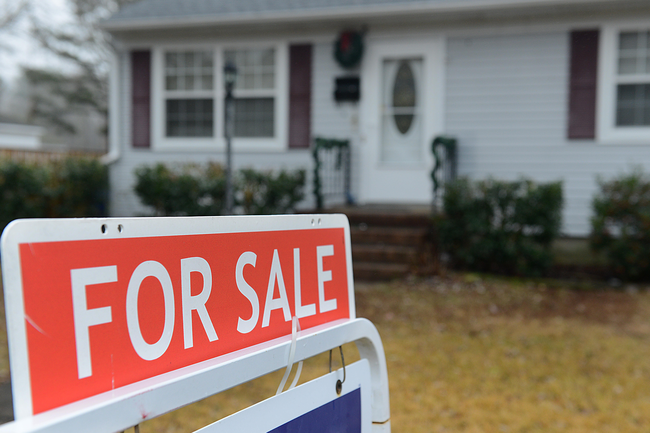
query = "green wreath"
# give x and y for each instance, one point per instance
(348, 49)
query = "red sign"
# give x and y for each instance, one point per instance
(104, 313)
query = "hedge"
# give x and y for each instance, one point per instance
(620, 226)
(498, 226)
(72, 187)
(193, 189)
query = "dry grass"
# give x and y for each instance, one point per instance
(473, 356)
(469, 354)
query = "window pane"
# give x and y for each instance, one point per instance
(255, 68)
(189, 82)
(404, 92)
(189, 117)
(191, 67)
(268, 81)
(634, 53)
(171, 60)
(254, 117)
(171, 83)
(206, 82)
(633, 105)
(627, 65)
(628, 40)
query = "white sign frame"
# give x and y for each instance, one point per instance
(291, 404)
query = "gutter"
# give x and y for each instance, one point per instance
(343, 12)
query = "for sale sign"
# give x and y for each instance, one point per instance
(95, 305)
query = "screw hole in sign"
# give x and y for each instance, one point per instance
(120, 228)
(104, 228)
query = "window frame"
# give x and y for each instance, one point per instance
(609, 79)
(217, 142)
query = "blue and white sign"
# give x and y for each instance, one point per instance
(313, 407)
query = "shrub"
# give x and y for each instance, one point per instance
(503, 227)
(22, 191)
(620, 226)
(266, 193)
(78, 188)
(73, 187)
(185, 190)
(193, 189)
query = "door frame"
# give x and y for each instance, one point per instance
(383, 182)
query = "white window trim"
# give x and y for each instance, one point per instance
(607, 132)
(217, 142)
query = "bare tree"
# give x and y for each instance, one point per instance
(10, 12)
(81, 87)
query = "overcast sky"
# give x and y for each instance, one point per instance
(17, 47)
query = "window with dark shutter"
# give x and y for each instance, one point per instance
(582, 84)
(300, 64)
(141, 98)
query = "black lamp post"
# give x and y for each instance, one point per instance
(229, 78)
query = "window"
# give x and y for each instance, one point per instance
(633, 79)
(189, 100)
(254, 92)
(401, 131)
(190, 94)
(624, 84)
(188, 97)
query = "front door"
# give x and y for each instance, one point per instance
(401, 114)
(401, 118)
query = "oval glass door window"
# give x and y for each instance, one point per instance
(404, 97)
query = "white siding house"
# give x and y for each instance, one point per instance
(547, 89)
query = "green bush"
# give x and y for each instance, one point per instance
(186, 190)
(620, 226)
(73, 187)
(502, 227)
(22, 191)
(78, 187)
(266, 193)
(193, 189)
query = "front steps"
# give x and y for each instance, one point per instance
(389, 243)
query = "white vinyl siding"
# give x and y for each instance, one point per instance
(329, 118)
(507, 105)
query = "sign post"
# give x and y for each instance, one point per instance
(115, 321)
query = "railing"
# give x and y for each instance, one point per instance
(331, 172)
(444, 151)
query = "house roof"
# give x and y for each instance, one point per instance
(175, 13)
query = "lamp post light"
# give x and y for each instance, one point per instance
(229, 77)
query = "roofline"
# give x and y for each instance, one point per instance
(21, 129)
(333, 13)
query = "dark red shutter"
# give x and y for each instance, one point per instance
(141, 98)
(300, 96)
(582, 84)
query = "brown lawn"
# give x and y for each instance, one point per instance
(477, 354)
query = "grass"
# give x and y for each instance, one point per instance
(469, 353)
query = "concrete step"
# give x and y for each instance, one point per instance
(364, 271)
(384, 254)
(407, 236)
